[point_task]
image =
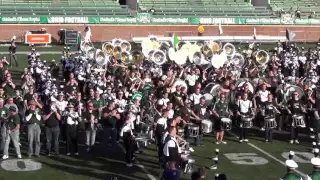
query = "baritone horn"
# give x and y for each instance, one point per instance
(100, 57)
(107, 48)
(229, 50)
(262, 57)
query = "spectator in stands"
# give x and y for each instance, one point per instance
(152, 11)
(200, 29)
(312, 15)
(298, 13)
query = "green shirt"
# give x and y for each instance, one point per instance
(291, 176)
(315, 175)
(98, 103)
(221, 107)
(13, 122)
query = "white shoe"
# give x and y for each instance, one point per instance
(266, 140)
(262, 129)
(68, 154)
(241, 141)
(130, 165)
(76, 154)
(223, 142)
(296, 141)
(5, 157)
(312, 136)
(213, 167)
(19, 157)
(246, 140)
(291, 141)
(217, 142)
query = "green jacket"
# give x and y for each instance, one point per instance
(315, 175)
(291, 176)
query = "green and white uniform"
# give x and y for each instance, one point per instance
(315, 175)
(291, 176)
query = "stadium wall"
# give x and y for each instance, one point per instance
(108, 32)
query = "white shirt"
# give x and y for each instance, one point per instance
(71, 118)
(192, 79)
(126, 128)
(195, 98)
(171, 113)
(263, 95)
(170, 144)
(162, 121)
(61, 105)
(244, 105)
(121, 105)
(38, 117)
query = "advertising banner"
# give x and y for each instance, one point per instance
(37, 39)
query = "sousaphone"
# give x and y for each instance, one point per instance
(238, 60)
(159, 57)
(116, 42)
(207, 50)
(86, 46)
(218, 60)
(229, 50)
(101, 58)
(107, 48)
(137, 57)
(125, 57)
(178, 82)
(262, 57)
(125, 46)
(215, 47)
(117, 52)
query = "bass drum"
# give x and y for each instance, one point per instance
(209, 98)
(213, 89)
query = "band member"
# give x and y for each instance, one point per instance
(171, 149)
(195, 97)
(262, 97)
(201, 111)
(13, 129)
(61, 105)
(109, 121)
(33, 119)
(316, 169)
(268, 110)
(291, 166)
(72, 121)
(294, 107)
(52, 119)
(12, 51)
(98, 103)
(161, 126)
(128, 139)
(220, 110)
(245, 108)
(90, 118)
(4, 113)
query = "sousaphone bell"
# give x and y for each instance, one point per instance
(101, 57)
(107, 48)
(262, 57)
(117, 52)
(207, 50)
(125, 57)
(229, 50)
(137, 57)
(159, 57)
(125, 46)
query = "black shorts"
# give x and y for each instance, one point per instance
(217, 124)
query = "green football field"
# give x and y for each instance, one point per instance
(256, 160)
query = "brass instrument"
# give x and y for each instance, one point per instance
(164, 46)
(116, 42)
(218, 60)
(107, 48)
(159, 57)
(125, 46)
(215, 47)
(137, 57)
(125, 57)
(117, 52)
(262, 57)
(229, 49)
(207, 51)
(238, 60)
(101, 58)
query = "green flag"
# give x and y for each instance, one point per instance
(175, 41)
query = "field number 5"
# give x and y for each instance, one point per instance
(246, 158)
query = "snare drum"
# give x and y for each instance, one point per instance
(193, 130)
(270, 122)
(298, 121)
(206, 126)
(226, 124)
(181, 132)
(188, 164)
(246, 121)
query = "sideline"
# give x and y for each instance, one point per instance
(269, 155)
(41, 52)
(150, 176)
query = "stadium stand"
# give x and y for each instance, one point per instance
(305, 6)
(218, 8)
(63, 8)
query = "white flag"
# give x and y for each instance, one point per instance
(254, 33)
(220, 29)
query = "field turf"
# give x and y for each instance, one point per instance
(256, 160)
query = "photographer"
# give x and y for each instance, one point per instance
(33, 120)
(52, 119)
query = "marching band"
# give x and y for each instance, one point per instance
(166, 95)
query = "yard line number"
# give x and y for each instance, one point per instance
(254, 159)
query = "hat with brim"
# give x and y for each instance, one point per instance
(291, 164)
(315, 161)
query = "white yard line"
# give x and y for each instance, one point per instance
(269, 155)
(150, 176)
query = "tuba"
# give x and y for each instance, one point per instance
(215, 47)
(207, 50)
(117, 52)
(229, 50)
(164, 46)
(125, 57)
(159, 57)
(238, 60)
(262, 57)
(125, 46)
(85, 47)
(107, 48)
(137, 57)
(100, 57)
